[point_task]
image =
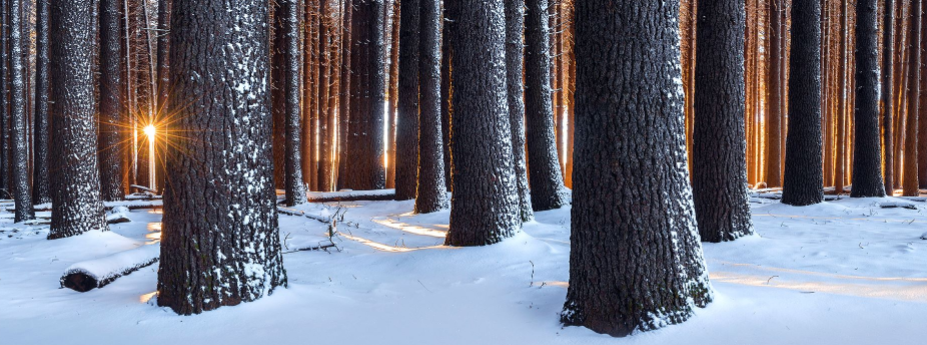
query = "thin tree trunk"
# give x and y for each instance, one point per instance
(774, 125)
(842, 111)
(326, 122)
(447, 92)
(22, 193)
(41, 192)
(407, 133)
(431, 194)
(393, 93)
(367, 101)
(514, 61)
(911, 185)
(887, 101)
(344, 164)
(112, 113)
(867, 173)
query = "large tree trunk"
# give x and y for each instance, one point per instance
(544, 168)
(112, 115)
(76, 204)
(719, 162)
(514, 65)
(407, 145)
(911, 185)
(867, 172)
(431, 194)
(483, 210)
(635, 258)
(367, 100)
(22, 193)
(803, 180)
(223, 97)
(774, 125)
(41, 193)
(887, 100)
(285, 100)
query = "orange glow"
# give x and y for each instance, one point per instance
(412, 229)
(150, 131)
(147, 297)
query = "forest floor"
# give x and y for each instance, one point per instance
(843, 272)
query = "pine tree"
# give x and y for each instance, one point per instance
(911, 186)
(719, 162)
(41, 193)
(887, 100)
(76, 204)
(222, 103)
(867, 169)
(365, 149)
(776, 68)
(514, 65)
(286, 98)
(803, 179)
(162, 119)
(22, 192)
(5, 180)
(407, 132)
(544, 168)
(112, 115)
(483, 210)
(635, 258)
(431, 194)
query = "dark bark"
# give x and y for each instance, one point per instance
(483, 209)
(22, 192)
(5, 180)
(326, 122)
(407, 145)
(344, 115)
(804, 175)
(774, 133)
(431, 194)
(222, 95)
(112, 115)
(279, 69)
(447, 92)
(719, 173)
(365, 149)
(514, 65)
(163, 120)
(867, 165)
(285, 100)
(41, 193)
(76, 204)
(635, 258)
(842, 112)
(544, 168)
(887, 100)
(922, 109)
(911, 185)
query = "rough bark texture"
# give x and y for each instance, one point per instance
(719, 150)
(867, 165)
(911, 186)
(635, 258)
(22, 192)
(514, 65)
(447, 93)
(112, 114)
(407, 145)
(804, 175)
(326, 122)
(544, 168)
(887, 100)
(278, 97)
(842, 113)
(774, 129)
(286, 99)
(431, 194)
(922, 108)
(41, 193)
(220, 244)
(484, 206)
(162, 119)
(365, 149)
(5, 106)
(76, 204)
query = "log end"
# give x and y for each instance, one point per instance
(79, 282)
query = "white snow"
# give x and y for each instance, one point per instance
(843, 272)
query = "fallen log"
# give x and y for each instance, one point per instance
(129, 204)
(351, 195)
(88, 275)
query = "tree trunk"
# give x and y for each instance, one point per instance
(223, 97)
(922, 110)
(483, 210)
(911, 185)
(326, 122)
(289, 46)
(76, 204)
(514, 61)
(544, 171)
(393, 92)
(22, 193)
(774, 125)
(112, 115)
(407, 133)
(719, 161)
(447, 93)
(842, 111)
(887, 100)
(367, 101)
(344, 164)
(163, 120)
(278, 78)
(5, 180)
(867, 172)
(41, 193)
(635, 251)
(431, 194)
(803, 180)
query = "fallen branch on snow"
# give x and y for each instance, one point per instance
(88, 275)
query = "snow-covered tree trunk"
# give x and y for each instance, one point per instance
(41, 193)
(719, 147)
(484, 205)
(220, 244)
(112, 114)
(544, 168)
(431, 194)
(867, 167)
(365, 149)
(5, 180)
(514, 65)
(635, 259)
(407, 145)
(76, 204)
(22, 192)
(803, 179)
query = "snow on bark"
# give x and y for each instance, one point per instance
(113, 119)
(87, 275)
(514, 65)
(22, 192)
(431, 194)
(41, 193)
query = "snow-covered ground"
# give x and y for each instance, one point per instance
(843, 272)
